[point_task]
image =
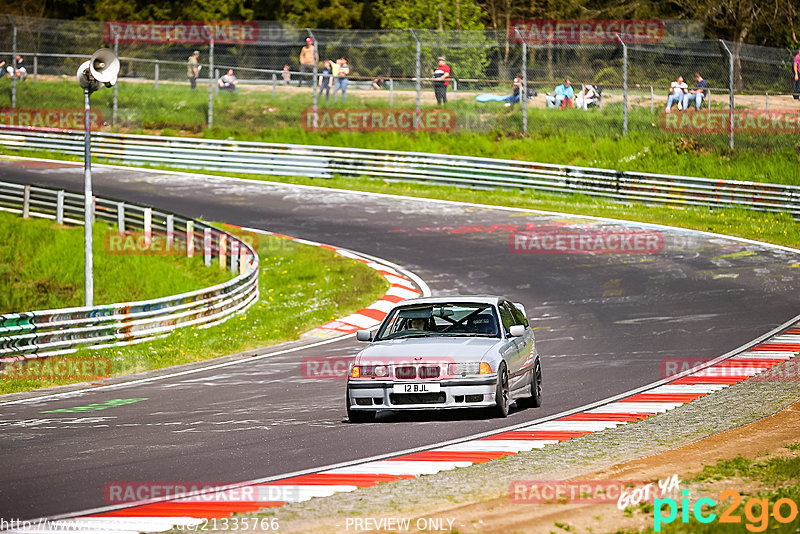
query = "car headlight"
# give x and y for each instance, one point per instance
(381, 370)
(464, 369)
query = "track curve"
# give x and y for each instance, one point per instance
(604, 322)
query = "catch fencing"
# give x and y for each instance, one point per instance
(327, 162)
(44, 333)
(394, 68)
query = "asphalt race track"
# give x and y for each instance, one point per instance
(605, 322)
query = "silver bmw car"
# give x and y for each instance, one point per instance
(446, 352)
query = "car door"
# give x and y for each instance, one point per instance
(512, 355)
(528, 342)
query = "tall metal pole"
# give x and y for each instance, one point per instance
(524, 88)
(13, 62)
(418, 115)
(114, 108)
(88, 201)
(211, 82)
(730, 85)
(624, 85)
(315, 75)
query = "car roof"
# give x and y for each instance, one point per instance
(455, 299)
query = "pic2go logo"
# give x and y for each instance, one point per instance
(756, 511)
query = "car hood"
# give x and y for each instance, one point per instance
(450, 349)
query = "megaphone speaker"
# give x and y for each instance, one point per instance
(85, 78)
(104, 66)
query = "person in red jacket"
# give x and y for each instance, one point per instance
(441, 74)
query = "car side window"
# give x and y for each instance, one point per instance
(518, 316)
(507, 317)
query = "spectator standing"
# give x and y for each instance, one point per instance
(307, 60)
(441, 74)
(193, 68)
(676, 91)
(228, 81)
(796, 67)
(562, 96)
(341, 79)
(325, 79)
(286, 75)
(696, 95)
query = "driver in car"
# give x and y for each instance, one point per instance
(417, 324)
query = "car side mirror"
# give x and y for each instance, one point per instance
(516, 330)
(364, 335)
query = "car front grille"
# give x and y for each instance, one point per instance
(429, 371)
(405, 372)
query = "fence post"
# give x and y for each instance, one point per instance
(524, 89)
(730, 85)
(116, 86)
(211, 83)
(148, 226)
(242, 260)
(156, 76)
(170, 231)
(314, 79)
(234, 255)
(26, 202)
(766, 102)
(60, 207)
(274, 84)
(35, 67)
(652, 100)
(121, 217)
(455, 90)
(624, 85)
(223, 250)
(391, 92)
(189, 239)
(13, 62)
(418, 54)
(207, 247)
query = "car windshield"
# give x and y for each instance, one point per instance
(446, 319)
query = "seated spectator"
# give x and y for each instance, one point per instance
(18, 68)
(696, 95)
(228, 81)
(378, 83)
(286, 75)
(589, 96)
(516, 90)
(676, 92)
(562, 96)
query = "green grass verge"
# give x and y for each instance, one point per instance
(571, 137)
(781, 474)
(41, 267)
(300, 287)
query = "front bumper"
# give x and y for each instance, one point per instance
(375, 395)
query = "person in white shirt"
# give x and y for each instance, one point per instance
(676, 91)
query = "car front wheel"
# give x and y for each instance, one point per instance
(501, 393)
(358, 416)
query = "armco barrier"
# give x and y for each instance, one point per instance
(326, 162)
(51, 332)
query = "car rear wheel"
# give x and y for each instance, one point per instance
(535, 399)
(501, 393)
(358, 416)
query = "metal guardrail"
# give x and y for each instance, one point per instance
(326, 162)
(51, 332)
